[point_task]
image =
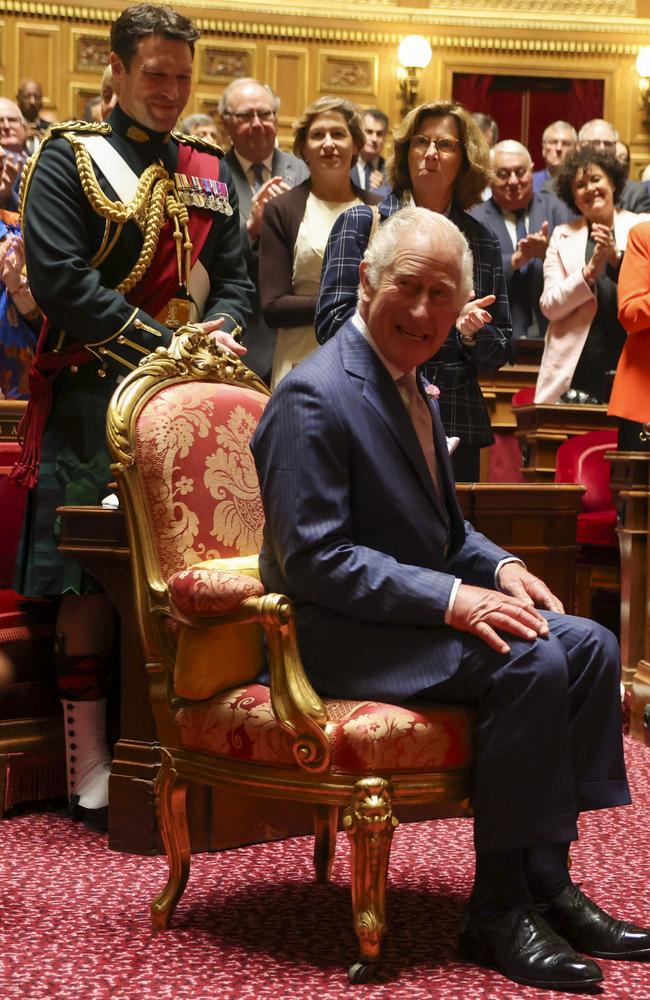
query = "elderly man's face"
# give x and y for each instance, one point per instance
(599, 136)
(555, 145)
(512, 181)
(415, 304)
(12, 128)
(251, 122)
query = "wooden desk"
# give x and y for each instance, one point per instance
(541, 429)
(499, 387)
(630, 482)
(537, 522)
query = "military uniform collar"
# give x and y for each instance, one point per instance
(124, 125)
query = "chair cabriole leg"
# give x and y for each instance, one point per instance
(369, 823)
(170, 793)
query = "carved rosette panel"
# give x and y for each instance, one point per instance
(355, 72)
(91, 52)
(219, 63)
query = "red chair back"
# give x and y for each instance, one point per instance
(524, 397)
(581, 460)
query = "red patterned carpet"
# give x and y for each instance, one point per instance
(74, 915)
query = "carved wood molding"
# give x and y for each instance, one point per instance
(595, 17)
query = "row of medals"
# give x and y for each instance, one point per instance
(203, 192)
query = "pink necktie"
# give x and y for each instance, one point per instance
(423, 424)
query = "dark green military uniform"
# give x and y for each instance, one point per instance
(63, 234)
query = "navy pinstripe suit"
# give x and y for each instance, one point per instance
(454, 369)
(355, 537)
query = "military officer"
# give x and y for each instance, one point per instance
(130, 230)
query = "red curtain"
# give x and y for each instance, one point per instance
(524, 106)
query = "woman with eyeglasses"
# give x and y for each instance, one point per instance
(296, 225)
(440, 162)
(584, 338)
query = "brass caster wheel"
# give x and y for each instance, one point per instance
(361, 972)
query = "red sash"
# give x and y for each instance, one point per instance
(152, 293)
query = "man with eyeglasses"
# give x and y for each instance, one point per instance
(522, 221)
(602, 135)
(558, 139)
(13, 135)
(261, 171)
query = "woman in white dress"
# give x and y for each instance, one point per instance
(296, 226)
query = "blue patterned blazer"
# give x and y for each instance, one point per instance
(354, 534)
(454, 369)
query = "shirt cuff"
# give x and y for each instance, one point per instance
(452, 598)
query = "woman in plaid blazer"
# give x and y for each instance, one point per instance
(440, 162)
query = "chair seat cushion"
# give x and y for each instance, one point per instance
(366, 736)
(597, 527)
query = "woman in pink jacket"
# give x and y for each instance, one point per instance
(584, 338)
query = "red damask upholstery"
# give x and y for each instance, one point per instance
(204, 591)
(365, 735)
(198, 473)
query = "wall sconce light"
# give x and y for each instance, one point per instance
(643, 69)
(414, 54)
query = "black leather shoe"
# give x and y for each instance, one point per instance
(594, 932)
(522, 946)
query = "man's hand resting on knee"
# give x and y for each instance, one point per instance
(514, 579)
(483, 611)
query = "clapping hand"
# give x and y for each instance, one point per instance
(220, 337)
(269, 190)
(474, 315)
(531, 246)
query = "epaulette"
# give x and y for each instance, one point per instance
(56, 130)
(197, 142)
(77, 125)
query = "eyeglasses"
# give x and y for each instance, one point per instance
(444, 147)
(599, 143)
(504, 174)
(248, 116)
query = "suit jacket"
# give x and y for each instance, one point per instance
(383, 189)
(281, 307)
(260, 338)
(455, 368)
(540, 177)
(354, 532)
(569, 303)
(525, 285)
(635, 197)
(631, 390)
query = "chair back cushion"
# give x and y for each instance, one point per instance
(198, 474)
(581, 460)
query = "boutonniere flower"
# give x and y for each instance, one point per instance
(432, 390)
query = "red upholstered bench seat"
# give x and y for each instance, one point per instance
(597, 527)
(366, 736)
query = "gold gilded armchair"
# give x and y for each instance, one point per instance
(178, 431)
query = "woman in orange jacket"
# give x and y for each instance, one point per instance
(630, 398)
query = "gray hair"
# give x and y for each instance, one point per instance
(560, 124)
(240, 82)
(582, 134)
(381, 249)
(510, 146)
(194, 121)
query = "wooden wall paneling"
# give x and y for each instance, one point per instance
(287, 72)
(90, 50)
(220, 61)
(78, 95)
(3, 33)
(39, 56)
(351, 73)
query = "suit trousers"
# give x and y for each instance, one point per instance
(548, 739)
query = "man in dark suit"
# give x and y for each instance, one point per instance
(602, 135)
(369, 172)
(558, 139)
(522, 222)
(249, 112)
(397, 597)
